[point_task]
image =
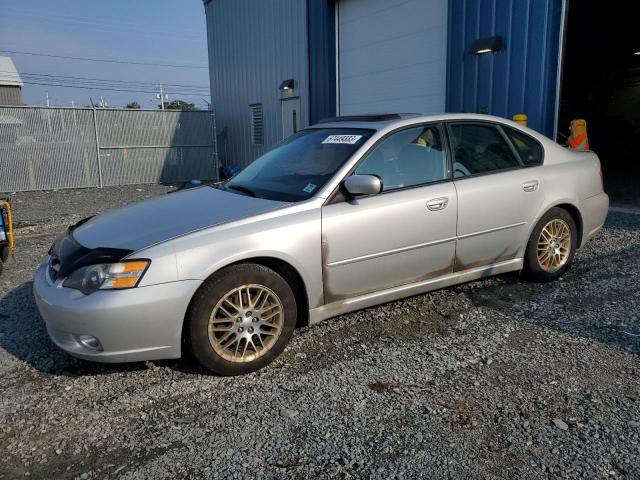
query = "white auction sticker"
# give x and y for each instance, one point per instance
(309, 188)
(343, 139)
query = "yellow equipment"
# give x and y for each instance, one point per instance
(6, 231)
(520, 118)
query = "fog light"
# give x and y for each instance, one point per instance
(90, 342)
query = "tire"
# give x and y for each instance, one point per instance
(241, 319)
(549, 255)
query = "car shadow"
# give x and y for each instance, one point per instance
(622, 220)
(587, 301)
(23, 335)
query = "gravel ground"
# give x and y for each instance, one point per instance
(498, 378)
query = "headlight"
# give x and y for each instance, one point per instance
(107, 276)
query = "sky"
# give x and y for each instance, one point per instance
(169, 32)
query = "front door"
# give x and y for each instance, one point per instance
(405, 234)
(290, 116)
(498, 193)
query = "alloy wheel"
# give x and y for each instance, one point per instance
(554, 245)
(246, 323)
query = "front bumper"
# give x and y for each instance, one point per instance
(143, 323)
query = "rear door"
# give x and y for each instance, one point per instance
(499, 194)
(403, 235)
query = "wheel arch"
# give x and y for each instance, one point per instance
(292, 276)
(283, 268)
(572, 210)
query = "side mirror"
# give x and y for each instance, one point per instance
(358, 185)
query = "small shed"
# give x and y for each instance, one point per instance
(10, 83)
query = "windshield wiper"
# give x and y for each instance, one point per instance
(243, 189)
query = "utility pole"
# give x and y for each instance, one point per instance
(162, 97)
(73, 109)
(46, 98)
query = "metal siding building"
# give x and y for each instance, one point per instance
(523, 76)
(364, 56)
(253, 46)
(321, 21)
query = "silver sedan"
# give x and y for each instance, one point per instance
(343, 215)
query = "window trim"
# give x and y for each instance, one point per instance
(498, 126)
(337, 196)
(506, 129)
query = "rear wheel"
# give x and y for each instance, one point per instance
(241, 319)
(552, 246)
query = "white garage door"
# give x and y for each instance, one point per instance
(392, 56)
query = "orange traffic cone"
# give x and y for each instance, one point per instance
(578, 135)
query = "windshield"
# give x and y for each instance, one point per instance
(299, 166)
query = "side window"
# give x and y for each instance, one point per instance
(414, 156)
(530, 150)
(479, 148)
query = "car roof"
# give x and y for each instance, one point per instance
(381, 121)
(370, 117)
(390, 121)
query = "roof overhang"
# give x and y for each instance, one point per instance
(9, 76)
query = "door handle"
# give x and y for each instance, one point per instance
(437, 203)
(531, 186)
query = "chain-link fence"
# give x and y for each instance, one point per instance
(51, 148)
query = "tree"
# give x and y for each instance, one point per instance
(179, 105)
(133, 105)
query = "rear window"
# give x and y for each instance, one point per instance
(530, 151)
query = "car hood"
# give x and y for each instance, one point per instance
(158, 219)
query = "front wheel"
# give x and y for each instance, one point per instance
(241, 319)
(551, 247)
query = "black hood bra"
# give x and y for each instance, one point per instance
(67, 255)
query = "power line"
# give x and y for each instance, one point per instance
(84, 87)
(97, 81)
(87, 59)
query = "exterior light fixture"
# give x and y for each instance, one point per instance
(487, 45)
(287, 85)
(637, 53)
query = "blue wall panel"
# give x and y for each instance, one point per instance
(322, 59)
(522, 77)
